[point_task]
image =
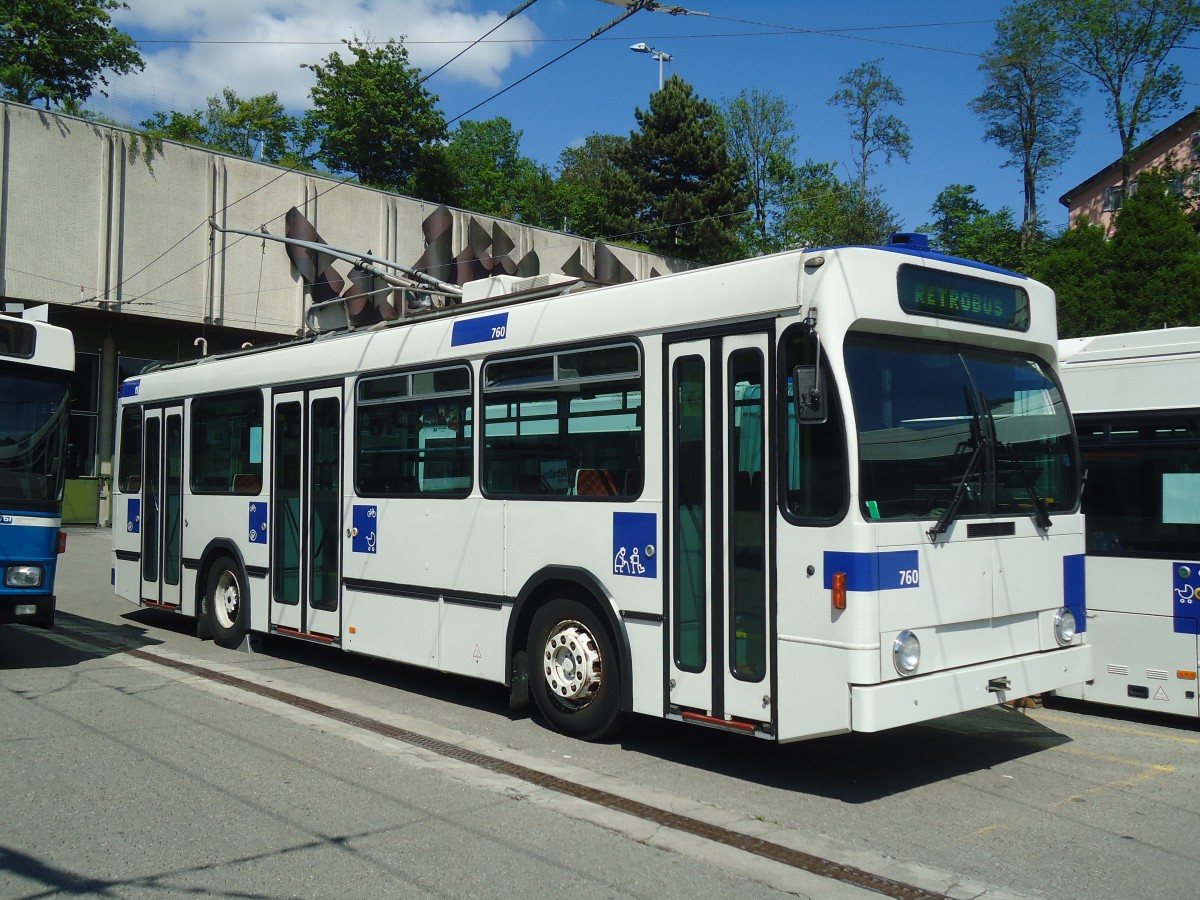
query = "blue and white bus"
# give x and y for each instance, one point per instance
(1136, 402)
(810, 493)
(36, 363)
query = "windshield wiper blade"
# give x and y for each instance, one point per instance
(951, 511)
(1040, 513)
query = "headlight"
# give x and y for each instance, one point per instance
(23, 576)
(906, 652)
(1064, 626)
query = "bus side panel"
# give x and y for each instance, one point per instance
(127, 545)
(585, 534)
(404, 629)
(1140, 649)
(814, 688)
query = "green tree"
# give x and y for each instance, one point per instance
(491, 176)
(187, 128)
(689, 196)
(371, 118)
(1077, 265)
(821, 210)
(590, 184)
(1026, 104)
(52, 51)
(963, 226)
(865, 92)
(241, 127)
(255, 127)
(1123, 45)
(761, 134)
(1155, 258)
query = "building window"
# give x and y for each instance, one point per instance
(85, 414)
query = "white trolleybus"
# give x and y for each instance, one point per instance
(37, 361)
(792, 496)
(1136, 402)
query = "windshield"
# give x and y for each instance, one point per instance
(936, 420)
(33, 429)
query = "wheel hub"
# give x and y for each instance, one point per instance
(574, 667)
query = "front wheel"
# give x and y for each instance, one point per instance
(574, 674)
(227, 603)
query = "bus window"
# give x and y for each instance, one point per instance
(413, 434)
(129, 465)
(816, 475)
(226, 451)
(566, 424)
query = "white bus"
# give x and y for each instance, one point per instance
(1137, 411)
(37, 361)
(792, 496)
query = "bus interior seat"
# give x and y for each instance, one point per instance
(247, 483)
(595, 483)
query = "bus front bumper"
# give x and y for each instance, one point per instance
(27, 609)
(923, 697)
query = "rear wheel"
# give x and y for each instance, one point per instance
(227, 603)
(574, 675)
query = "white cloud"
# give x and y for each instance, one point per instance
(286, 34)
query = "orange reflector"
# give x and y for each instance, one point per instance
(353, 630)
(62, 542)
(1185, 674)
(839, 590)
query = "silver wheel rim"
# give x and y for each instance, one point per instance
(227, 599)
(573, 665)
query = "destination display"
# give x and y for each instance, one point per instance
(948, 295)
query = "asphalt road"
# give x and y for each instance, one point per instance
(125, 777)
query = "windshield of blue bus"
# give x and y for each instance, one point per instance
(938, 419)
(33, 430)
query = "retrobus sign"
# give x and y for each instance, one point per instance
(948, 295)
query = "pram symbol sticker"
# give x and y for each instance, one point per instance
(635, 539)
(365, 537)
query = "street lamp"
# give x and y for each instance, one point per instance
(661, 55)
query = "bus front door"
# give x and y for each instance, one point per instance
(306, 513)
(718, 562)
(161, 506)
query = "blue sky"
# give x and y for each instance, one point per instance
(797, 50)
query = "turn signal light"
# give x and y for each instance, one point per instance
(839, 590)
(1185, 674)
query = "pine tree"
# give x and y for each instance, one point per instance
(688, 194)
(1156, 258)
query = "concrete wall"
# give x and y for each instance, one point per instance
(113, 234)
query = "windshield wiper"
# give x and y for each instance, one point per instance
(983, 439)
(1040, 513)
(982, 446)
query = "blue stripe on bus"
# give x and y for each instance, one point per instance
(477, 331)
(130, 387)
(1186, 611)
(1075, 589)
(887, 571)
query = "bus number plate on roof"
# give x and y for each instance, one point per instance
(948, 295)
(477, 331)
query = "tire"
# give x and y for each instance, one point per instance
(227, 603)
(574, 672)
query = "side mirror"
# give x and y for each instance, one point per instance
(808, 395)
